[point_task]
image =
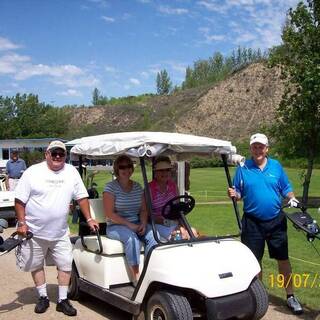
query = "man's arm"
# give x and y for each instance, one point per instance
(22, 227)
(85, 209)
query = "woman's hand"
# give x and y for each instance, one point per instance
(141, 229)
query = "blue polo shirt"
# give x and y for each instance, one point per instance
(15, 168)
(262, 190)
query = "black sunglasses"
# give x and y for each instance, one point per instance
(57, 153)
(127, 166)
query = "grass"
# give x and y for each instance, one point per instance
(209, 185)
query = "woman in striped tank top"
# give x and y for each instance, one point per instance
(126, 214)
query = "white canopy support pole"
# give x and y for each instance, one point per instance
(181, 177)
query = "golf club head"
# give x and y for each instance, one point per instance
(3, 224)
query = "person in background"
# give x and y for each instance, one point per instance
(14, 168)
(163, 189)
(126, 214)
(262, 183)
(42, 199)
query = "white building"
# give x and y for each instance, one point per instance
(6, 146)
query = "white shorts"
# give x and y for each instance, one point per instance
(35, 252)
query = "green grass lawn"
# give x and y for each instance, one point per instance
(209, 185)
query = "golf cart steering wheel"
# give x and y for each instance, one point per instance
(174, 208)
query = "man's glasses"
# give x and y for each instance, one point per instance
(55, 154)
(124, 167)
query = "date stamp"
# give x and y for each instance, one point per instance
(298, 280)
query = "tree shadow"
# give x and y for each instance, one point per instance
(280, 305)
(27, 296)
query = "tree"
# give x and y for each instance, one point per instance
(164, 84)
(23, 116)
(297, 128)
(95, 96)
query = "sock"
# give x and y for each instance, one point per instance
(289, 296)
(42, 290)
(63, 291)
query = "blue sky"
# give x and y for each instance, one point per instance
(63, 49)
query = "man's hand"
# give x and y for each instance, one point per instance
(93, 224)
(22, 230)
(232, 193)
(293, 203)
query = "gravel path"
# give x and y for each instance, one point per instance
(17, 298)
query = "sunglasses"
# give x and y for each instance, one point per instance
(124, 167)
(57, 153)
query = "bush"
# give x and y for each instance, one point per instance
(197, 162)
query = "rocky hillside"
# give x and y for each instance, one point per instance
(231, 110)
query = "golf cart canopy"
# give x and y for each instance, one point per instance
(150, 144)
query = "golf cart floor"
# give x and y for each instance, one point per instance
(123, 290)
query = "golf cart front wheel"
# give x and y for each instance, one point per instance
(165, 305)
(73, 289)
(260, 296)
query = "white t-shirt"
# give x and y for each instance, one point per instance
(47, 195)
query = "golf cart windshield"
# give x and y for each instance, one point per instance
(144, 145)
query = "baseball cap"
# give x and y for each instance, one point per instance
(260, 138)
(161, 165)
(56, 144)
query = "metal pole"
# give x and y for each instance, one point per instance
(148, 198)
(234, 201)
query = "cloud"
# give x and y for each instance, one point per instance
(134, 81)
(174, 11)
(31, 70)
(209, 38)
(108, 19)
(110, 69)
(101, 3)
(6, 44)
(70, 93)
(144, 74)
(21, 68)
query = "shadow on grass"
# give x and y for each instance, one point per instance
(280, 305)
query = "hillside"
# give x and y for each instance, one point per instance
(231, 110)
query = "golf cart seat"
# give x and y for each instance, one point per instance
(109, 246)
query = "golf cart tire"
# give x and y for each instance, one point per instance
(164, 305)
(73, 289)
(260, 296)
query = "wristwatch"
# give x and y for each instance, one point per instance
(21, 223)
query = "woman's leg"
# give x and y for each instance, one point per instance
(131, 246)
(148, 239)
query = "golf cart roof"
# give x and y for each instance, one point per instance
(139, 144)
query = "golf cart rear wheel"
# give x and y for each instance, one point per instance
(73, 289)
(260, 296)
(165, 305)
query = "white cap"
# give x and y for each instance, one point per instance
(57, 144)
(259, 138)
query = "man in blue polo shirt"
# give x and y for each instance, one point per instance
(262, 183)
(15, 167)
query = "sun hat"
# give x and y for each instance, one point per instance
(259, 138)
(162, 165)
(56, 144)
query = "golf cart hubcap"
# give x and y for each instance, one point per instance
(157, 313)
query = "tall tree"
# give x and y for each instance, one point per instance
(298, 116)
(164, 84)
(95, 96)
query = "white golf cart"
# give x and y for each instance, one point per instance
(207, 277)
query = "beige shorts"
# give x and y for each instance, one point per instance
(35, 252)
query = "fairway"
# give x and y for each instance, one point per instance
(214, 215)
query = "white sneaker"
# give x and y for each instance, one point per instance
(294, 305)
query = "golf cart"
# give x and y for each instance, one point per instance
(206, 277)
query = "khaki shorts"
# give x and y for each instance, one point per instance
(35, 252)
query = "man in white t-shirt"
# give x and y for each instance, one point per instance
(42, 199)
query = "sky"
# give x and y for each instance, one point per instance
(62, 49)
